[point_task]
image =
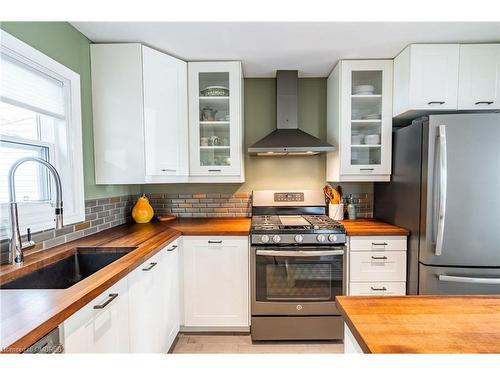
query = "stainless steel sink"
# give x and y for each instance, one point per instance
(70, 270)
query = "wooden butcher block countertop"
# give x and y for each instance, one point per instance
(372, 227)
(28, 315)
(424, 324)
(239, 226)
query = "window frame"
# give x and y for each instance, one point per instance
(30, 56)
(51, 159)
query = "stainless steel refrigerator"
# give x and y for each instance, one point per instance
(445, 189)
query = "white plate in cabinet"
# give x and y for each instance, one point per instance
(371, 243)
(479, 77)
(377, 289)
(102, 326)
(377, 266)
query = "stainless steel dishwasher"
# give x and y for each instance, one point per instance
(49, 344)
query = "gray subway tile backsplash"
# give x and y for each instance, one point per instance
(105, 213)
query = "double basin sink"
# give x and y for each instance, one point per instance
(62, 274)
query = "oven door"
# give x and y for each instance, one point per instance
(293, 280)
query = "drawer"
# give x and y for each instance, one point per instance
(377, 289)
(378, 266)
(370, 243)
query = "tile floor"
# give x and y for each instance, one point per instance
(236, 344)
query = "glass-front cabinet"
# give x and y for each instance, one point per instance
(361, 120)
(215, 119)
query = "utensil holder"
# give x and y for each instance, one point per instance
(336, 211)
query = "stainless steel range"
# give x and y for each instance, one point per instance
(297, 267)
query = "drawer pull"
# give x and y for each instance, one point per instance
(379, 243)
(169, 170)
(111, 297)
(172, 248)
(437, 102)
(488, 103)
(213, 241)
(215, 170)
(151, 265)
(383, 289)
(366, 169)
(379, 258)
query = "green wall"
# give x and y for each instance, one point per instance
(65, 44)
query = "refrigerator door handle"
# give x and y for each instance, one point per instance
(443, 179)
(471, 280)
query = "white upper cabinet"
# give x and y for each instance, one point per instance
(165, 115)
(139, 99)
(479, 76)
(216, 121)
(430, 78)
(359, 120)
(426, 78)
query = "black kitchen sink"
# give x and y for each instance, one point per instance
(68, 271)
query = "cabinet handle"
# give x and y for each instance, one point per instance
(215, 170)
(440, 103)
(383, 289)
(169, 170)
(151, 265)
(379, 258)
(111, 297)
(488, 103)
(366, 169)
(379, 244)
(212, 241)
(172, 248)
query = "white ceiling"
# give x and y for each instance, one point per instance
(313, 48)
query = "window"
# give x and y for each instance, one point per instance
(40, 117)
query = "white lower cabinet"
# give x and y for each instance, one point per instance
(139, 314)
(216, 286)
(172, 303)
(154, 302)
(377, 265)
(102, 326)
(146, 310)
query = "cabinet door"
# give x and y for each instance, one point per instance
(215, 118)
(172, 295)
(117, 105)
(366, 120)
(146, 293)
(165, 114)
(102, 325)
(434, 76)
(479, 76)
(216, 281)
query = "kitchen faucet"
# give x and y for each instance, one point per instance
(16, 245)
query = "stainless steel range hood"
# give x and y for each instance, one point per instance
(288, 139)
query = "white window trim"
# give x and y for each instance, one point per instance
(29, 55)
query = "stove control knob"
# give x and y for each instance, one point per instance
(332, 237)
(276, 238)
(299, 238)
(321, 238)
(264, 238)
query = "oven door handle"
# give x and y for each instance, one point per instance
(299, 253)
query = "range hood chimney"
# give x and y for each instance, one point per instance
(288, 139)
